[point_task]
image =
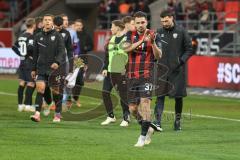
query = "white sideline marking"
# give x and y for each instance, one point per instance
(205, 116)
(169, 112)
(7, 94)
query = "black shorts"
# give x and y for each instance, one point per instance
(25, 74)
(51, 80)
(139, 88)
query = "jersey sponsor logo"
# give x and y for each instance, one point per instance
(63, 34)
(53, 38)
(175, 35)
(30, 41)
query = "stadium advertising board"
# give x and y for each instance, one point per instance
(5, 38)
(9, 61)
(212, 43)
(100, 39)
(214, 72)
(208, 43)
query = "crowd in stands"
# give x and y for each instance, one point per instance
(112, 9)
(196, 14)
(12, 11)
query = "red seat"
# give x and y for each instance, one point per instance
(2, 16)
(36, 3)
(219, 5)
(232, 9)
(4, 6)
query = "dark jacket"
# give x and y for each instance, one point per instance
(69, 48)
(48, 49)
(177, 49)
(23, 47)
(86, 44)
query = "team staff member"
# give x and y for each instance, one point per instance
(177, 49)
(24, 48)
(142, 48)
(48, 54)
(86, 45)
(114, 72)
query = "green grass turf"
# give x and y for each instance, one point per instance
(201, 138)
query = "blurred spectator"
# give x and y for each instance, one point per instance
(39, 24)
(192, 12)
(23, 27)
(208, 16)
(143, 6)
(112, 9)
(175, 6)
(124, 7)
(14, 9)
(102, 10)
(74, 37)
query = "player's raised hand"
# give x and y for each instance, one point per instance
(33, 74)
(54, 66)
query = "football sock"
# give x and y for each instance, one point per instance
(58, 102)
(111, 115)
(178, 108)
(39, 101)
(48, 95)
(20, 94)
(28, 95)
(145, 126)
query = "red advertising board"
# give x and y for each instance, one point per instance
(214, 72)
(5, 38)
(100, 39)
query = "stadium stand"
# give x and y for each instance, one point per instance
(13, 11)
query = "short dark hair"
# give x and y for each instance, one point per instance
(79, 20)
(127, 19)
(139, 14)
(30, 22)
(58, 21)
(119, 24)
(71, 23)
(48, 15)
(166, 13)
(38, 19)
(63, 15)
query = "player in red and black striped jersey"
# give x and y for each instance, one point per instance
(142, 47)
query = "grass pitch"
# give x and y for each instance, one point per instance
(211, 131)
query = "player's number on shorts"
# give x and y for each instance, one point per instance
(23, 48)
(148, 86)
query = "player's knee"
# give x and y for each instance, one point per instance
(40, 87)
(145, 102)
(132, 108)
(22, 83)
(55, 90)
(31, 84)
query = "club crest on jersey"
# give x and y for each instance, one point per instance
(162, 35)
(63, 34)
(175, 35)
(41, 38)
(53, 38)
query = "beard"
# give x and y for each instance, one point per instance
(141, 30)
